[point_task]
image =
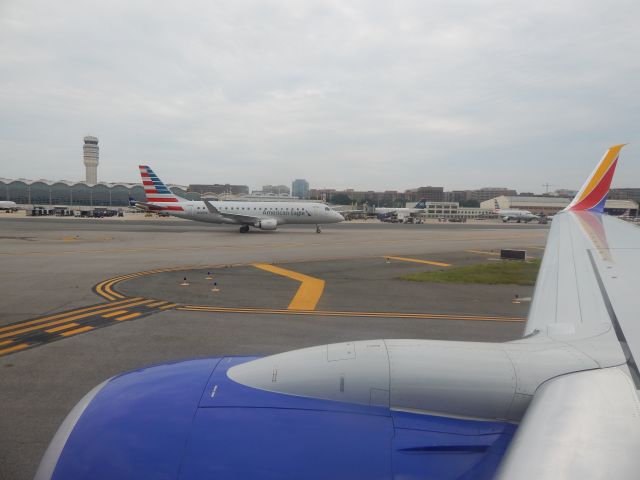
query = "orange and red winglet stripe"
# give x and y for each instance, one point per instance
(593, 194)
(599, 192)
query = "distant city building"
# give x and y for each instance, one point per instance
(300, 188)
(565, 192)
(276, 189)
(487, 193)
(219, 189)
(65, 193)
(625, 194)
(551, 205)
(431, 194)
(90, 150)
(459, 196)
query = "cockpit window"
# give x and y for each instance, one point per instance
(326, 209)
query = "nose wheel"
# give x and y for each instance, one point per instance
(318, 229)
(244, 229)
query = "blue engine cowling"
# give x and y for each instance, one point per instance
(188, 420)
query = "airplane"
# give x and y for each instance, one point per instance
(8, 206)
(560, 402)
(261, 215)
(514, 214)
(403, 212)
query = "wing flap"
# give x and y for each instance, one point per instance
(582, 425)
(567, 296)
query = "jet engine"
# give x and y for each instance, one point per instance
(268, 224)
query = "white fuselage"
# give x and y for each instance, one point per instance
(8, 205)
(518, 215)
(282, 212)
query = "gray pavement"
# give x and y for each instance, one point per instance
(49, 265)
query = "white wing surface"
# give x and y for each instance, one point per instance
(585, 424)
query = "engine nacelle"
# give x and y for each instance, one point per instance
(268, 224)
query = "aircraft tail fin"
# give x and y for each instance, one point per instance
(422, 203)
(154, 189)
(593, 193)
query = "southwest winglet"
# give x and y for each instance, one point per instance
(594, 192)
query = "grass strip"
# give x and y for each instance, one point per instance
(505, 272)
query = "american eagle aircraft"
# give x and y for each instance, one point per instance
(262, 215)
(560, 402)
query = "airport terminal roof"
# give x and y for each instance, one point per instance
(72, 183)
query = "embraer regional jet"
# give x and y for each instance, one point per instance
(561, 402)
(262, 215)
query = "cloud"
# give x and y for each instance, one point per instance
(371, 95)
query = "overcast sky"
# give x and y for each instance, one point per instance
(360, 94)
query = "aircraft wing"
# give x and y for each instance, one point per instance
(239, 219)
(585, 424)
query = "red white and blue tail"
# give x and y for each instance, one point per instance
(157, 192)
(593, 193)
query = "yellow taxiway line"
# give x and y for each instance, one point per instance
(325, 313)
(415, 260)
(482, 252)
(309, 292)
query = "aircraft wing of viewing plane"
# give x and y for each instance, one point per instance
(261, 215)
(561, 402)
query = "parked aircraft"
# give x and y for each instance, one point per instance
(8, 206)
(403, 213)
(561, 402)
(262, 215)
(514, 214)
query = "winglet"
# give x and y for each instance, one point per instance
(594, 192)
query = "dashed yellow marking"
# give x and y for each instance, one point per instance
(64, 314)
(482, 252)
(21, 346)
(309, 292)
(72, 318)
(157, 304)
(76, 331)
(61, 327)
(129, 317)
(6, 342)
(114, 314)
(166, 307)
(415, 260)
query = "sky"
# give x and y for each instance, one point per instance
(373, 95)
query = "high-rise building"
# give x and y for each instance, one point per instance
(276, 189)
(90, 150)
(300, 188)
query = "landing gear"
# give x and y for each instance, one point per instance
(244, 228)
(318, 230)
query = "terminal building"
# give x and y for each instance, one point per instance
(65, 193)
(551, 205)
(448, 210)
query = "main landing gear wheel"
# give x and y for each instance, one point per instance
(244, 229)
(318, 230)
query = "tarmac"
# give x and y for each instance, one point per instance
(86, 299)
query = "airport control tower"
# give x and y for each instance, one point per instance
(90, 149)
